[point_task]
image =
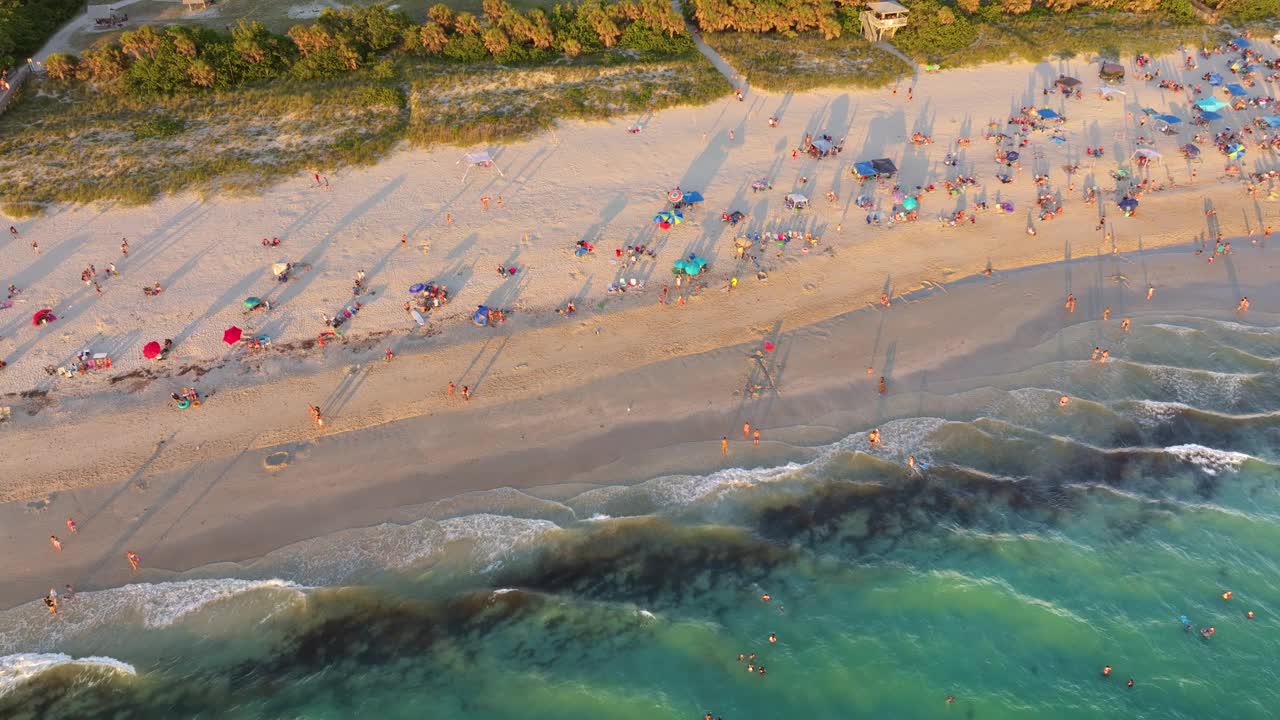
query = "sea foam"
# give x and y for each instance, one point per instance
(1209, 460)
(18, 669)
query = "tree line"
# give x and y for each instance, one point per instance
(184, 58)
(26, 24)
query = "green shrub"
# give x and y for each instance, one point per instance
(645, 38)
(466, 49)
(159, 126)
(373, 96)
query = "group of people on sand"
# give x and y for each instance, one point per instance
(52, 600)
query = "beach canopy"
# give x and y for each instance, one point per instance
(231, 335)
(1210, 115)
(1147, 153)
(1210, 104)
(864, 169)
(1067, 82)
(1236, 90)
(1108, 90)
(1129, 204)
(1240, 43)
(481, 316)
(1111, 71)
(692, 196)
(821, 145)
(43, 316)
(1048, 114)
(797, 198)
(884, 166)
(1190, 150)
(478, 158)
(279, 268)
(151, 350)
(910, 203)
(1215, 79)
(1272, 120)
(1170, 119)
(251, 303)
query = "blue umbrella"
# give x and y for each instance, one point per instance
(1235, 152)
(1128, 204)
(1047, 114)
(1215, 79)
(1012, 155)
(1236, 90)
(910, 204)
(1272, 120)
(1240, 42)
(1170, 119)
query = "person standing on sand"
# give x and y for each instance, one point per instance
(466, 393)
(71, 526)
(316, 415)
(404, 240)
(1106, 314)
(1151, 291)
(35, 246)
(1124, 325)
(746, 430)
(390, 355)
(55, 542)
(1071, 303)
(756, 437)
(449, 390)
(1244, 305)
(724, 446)
(13, 231)
(883, 387)
(134, 560)
(124, 247)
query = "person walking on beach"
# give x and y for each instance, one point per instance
(755, 437)
(404, 240)
(390, 355)
(134, 560)
(1106, 314)
(35, 246)
(466, 393)
(746, 430)
(316, 415)
(55, 542)
(1071, 303)
(1124, 325)
(449, 390)
(13, 231)
(124, 247)
(71, 526)
(1243, 306)
(1151, 291)
(724, 446)
(883, 387)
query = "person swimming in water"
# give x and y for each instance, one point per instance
(1106, 671)
(1130, 683)
(774, 638)
(1208, 632)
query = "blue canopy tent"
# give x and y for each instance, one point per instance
(1215, 79)
(1210, 104)
(1150, 111)
(1170, 119)
(481, 316)
(692, 196)
(1211, 115)
(864, 169)
(1240, 43)
(1272, 120)
(1048, 114)
(1236, 90)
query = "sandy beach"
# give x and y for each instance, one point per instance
(626, 386)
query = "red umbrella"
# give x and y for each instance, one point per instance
(151, 350)
(231, 335)
(43, 316)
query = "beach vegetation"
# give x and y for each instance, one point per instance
(25, 25)
(803, 61)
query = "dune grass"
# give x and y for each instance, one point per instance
(71, 144)
(787, 64)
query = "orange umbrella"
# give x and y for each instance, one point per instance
(151, 350)
(231, 335)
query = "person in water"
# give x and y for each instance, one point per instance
(1130, 683)
(1106, 671)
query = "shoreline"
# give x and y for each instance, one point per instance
(184, 521)
(557, 400)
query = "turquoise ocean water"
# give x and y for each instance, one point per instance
(1035, 546)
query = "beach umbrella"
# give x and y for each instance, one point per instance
(1236, 90)
(1215, 79)
(1240, 43)
(1048, 114)
(42, 317)
(1190, 150)
(1129, 204)
(675, 195)
(692, 196)
(910, 203)
(231, 335)
(251, 303)
(1012, 155)
(1170, 119)
(151, 350)
(898, 196)
(416, 288)
(1236, 151)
